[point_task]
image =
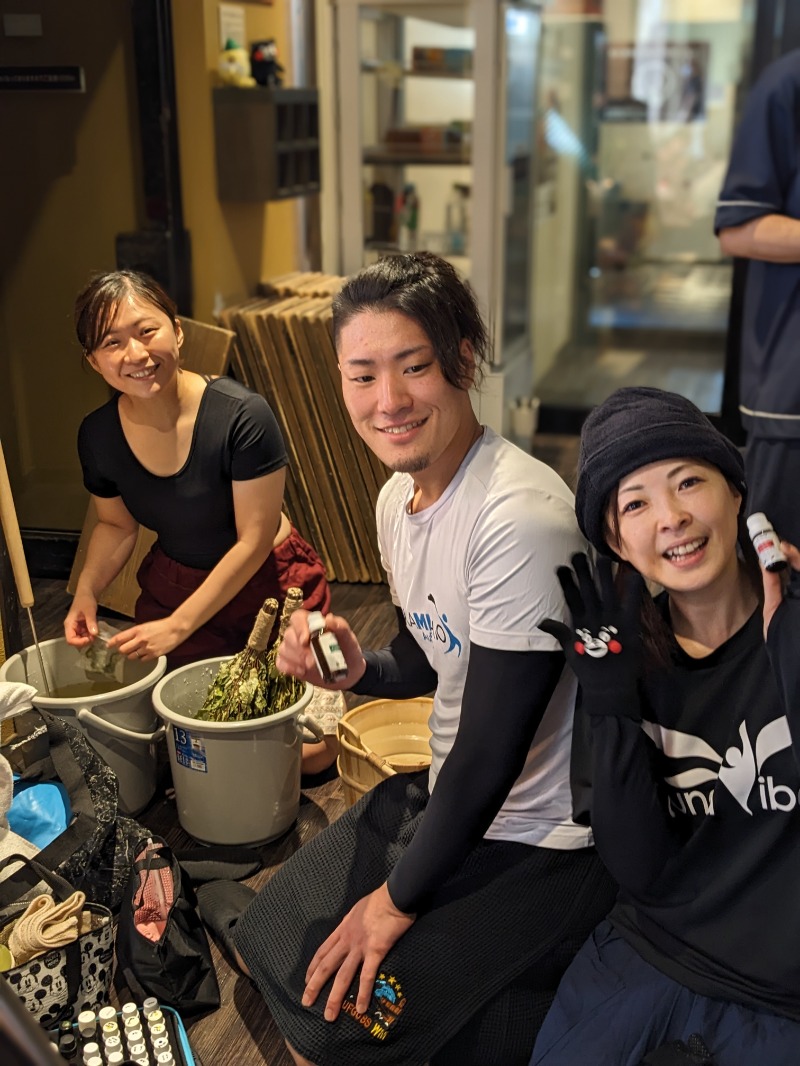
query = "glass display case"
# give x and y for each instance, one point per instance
(638, 108)
(435, 138)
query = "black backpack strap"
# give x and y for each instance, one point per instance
(84, 816)
(28, 876)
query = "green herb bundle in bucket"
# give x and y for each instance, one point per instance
(236, 740)
(250, 685)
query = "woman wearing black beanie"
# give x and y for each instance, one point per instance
(692, 703)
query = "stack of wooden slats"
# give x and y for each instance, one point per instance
(284, 351)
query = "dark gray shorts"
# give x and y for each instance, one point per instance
(509, 908)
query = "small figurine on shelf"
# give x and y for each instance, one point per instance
(234, 66)
(264, 63)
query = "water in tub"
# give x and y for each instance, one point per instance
(102, 665)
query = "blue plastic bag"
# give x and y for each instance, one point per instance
(40, 811)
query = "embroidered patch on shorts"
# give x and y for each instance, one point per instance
(385, 1006)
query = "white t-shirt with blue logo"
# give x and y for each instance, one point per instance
(480, 565)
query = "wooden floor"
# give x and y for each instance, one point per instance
(241, 1032)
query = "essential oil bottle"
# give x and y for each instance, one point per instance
(766, 542)
(325, 649)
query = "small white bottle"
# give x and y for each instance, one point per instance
(766, 543)
(129, 1010)
(87, 1024)
(325, 648)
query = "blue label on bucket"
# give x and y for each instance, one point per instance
(189, 751)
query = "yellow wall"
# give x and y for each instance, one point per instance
(70, 183)
(67, 187)
(234, 245)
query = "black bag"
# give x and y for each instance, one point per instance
(95, 851)
(176, 966)
(63, 981)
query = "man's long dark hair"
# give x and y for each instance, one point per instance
(428, 290)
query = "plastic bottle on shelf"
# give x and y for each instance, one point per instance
(457, 220)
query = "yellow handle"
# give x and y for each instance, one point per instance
(348, 734)
(8, 517)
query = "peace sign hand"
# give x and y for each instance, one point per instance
(603, 647)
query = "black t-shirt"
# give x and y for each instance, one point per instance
(235, 438)
(700, 821)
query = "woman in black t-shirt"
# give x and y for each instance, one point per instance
(202, 463)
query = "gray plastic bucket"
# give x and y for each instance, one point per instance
(235, 782)
(120, 725)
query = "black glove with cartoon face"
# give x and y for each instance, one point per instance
(603, 647)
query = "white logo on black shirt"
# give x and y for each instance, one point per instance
(738, 770)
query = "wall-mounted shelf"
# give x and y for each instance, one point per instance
(267, 143)
(409, 72)
(405, 155)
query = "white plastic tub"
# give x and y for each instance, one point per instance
(235, 782)
(120, 725)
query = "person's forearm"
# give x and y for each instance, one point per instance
(505, 698)
(109, 549)
(633, 832)
(783, 639)
(400, 671)
(771, 238)
(227, 578)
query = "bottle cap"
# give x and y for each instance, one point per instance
(151, 1003)
(68, 1044)
(757, 523)
(129, 1009)
(107, 1014)
(316, 622)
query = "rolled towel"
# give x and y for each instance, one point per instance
(11, 843)
(15, 697)
(46, 925)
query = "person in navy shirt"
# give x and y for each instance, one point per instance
(758, 218)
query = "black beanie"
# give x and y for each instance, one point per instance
(636, 426)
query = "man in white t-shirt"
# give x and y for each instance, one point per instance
(432, 922)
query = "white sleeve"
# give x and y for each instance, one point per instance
(515, 548)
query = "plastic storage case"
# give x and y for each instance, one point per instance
(179, 1041)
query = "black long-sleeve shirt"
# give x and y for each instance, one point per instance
(696, 813)
(456, 818)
